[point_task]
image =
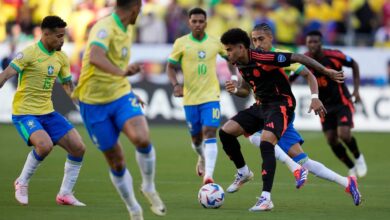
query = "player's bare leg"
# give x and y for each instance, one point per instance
(210, 152)
(137, 130)
(75, 147)
(42, 147)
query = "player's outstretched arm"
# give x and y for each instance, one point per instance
(177, 88)
(335, 75)
(99, 59)
(316, 103)
(356, 81)
(6, 74)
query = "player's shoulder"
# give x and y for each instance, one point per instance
(333, 53)
(105, 23)
(282, 50)
(27, 52)
(62, 55)
(183, 39)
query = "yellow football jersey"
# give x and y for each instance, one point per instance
(38, 70)
(294, 68)
(198, 63)
(96, 86)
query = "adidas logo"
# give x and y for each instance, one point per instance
(264, 172)
(344, 119)
(270, 125)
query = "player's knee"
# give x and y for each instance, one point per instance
(79, 149)
(141, 141)
(345, 137)
(43, 148)
(118, 165)
(210, 133)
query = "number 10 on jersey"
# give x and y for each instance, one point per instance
(202, 69)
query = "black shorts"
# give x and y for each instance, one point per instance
(340, 115)
(250, 119)
(273, 118)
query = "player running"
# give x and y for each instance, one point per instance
(275, 104)
(33, 114)
(337, 124)
(108, 105)
(291, 140)
(197, 53)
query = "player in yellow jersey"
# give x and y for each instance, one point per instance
(108, 105)
(40, 126)
(196, 53)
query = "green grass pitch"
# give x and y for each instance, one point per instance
(179, 185)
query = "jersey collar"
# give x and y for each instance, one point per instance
(40, 45)
(196, 40)
(119, 22)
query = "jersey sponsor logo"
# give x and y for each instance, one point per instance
(281, 58)
(256, 73)
(50, 70)
(124, 51)
(19, 56)
(102, 34)
(201, 54)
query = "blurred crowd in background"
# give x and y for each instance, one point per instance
(343, 22)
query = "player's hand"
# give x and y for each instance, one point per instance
(134, 69)
(231, 86)
(356, 97)
(337, 76)
(178, 90)
(318, 107)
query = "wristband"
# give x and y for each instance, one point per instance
(235, 90)
(314, 96)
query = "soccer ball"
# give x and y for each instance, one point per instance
(211, 196)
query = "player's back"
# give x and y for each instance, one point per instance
(198, 63)
(96, 86)
(38, 70)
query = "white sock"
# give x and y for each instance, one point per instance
(198, 149)
(30, 166)
(284, 158)
(255, 139)
(266, 195)
(147, 164)
(124, 186)
(71, 173)
(323, 172)
(243, 170)
(211, 153)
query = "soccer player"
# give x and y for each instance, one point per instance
(196, 53)
(108, 105)
(337, 124)
(291, 141)
(276, 103)
(40, 126)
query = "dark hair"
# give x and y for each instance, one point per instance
(196, 11)
(263, 27)
(127, 3)
(314, 33)
(236, 36)
(52, 22)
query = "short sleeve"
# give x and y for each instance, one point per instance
(64, 75)
(176, 54)
(20, 61)
(100, 36)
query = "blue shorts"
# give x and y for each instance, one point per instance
(104, 122)
(55, 125)
(207, 114)
(289, 137)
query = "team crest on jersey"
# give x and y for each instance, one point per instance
(281, 58)
(256, 73)
(31, 124)
(125, 51)
(50, 70)
(102, 34)
(201, 54)
(19, 56)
